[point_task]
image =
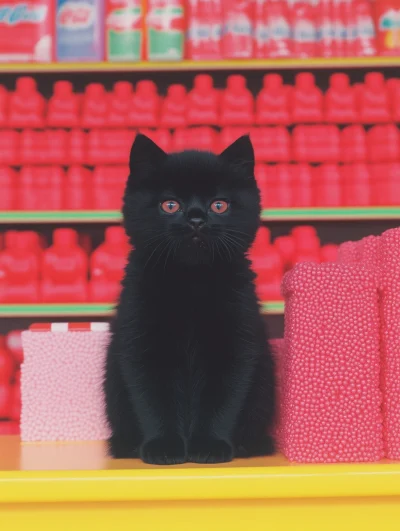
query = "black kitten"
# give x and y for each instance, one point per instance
(189, 374)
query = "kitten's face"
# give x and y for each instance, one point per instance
(191, 207)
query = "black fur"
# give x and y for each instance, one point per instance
(189, 374)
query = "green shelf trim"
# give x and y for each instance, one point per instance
(87, 309)
(62, 216)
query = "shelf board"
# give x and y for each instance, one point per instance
(272, 214)
(90, 309)
(241, 64)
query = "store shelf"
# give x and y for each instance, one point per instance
(251, 64)
(90, 309)
(272, 214)
(77, 486)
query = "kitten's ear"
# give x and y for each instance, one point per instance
(145, 152)
(241, 153)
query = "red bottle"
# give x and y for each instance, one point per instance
(275, 183)
(302, 186)
(181, 140)
(356, 185)
(3, 106)
(393, 86)
(26, 105)
(286, 249)
(268, 266)
(7, 364)
(329, 252)
(64, 270)
(20, 269)
(63, 106)
(272, 103)
(145, 109)
(32, 147)
(374, 100)
(307, 100)
(173, 108)
(307, 244)
(120, 104)
(353, 144)
(78, 189)
(94, 106)
(107, 265)
(108, 187)
(393, 180)
(237, 102)
(14, 346)
(204, 138)
(340, 100)
(383, 142)
(328, 186)
(9, 148)
(9, 188)
(77, 147)
(203, 102)
(56, 146)
(5, 401)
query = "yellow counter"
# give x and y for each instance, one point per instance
(75, 486)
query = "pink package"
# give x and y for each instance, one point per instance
(390, 339)
(26, 30)
(331, 404)
(61, 382)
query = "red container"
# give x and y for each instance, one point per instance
(383, 142)
(328, 186)
(9, 148)
(108, 187)
(7, 364)
(340, 100)
(79, 189)
(267, 264)
(94, 106)
(353, 144)
(374, 100)
(77, 147)
(387, 27)
(304, 21)
(307, 100)
(145, 109)
(302, 186)
(238, 29)
(278, 23)
(26, 105)
(63, 106)
(203, 102)
(204, 29)
(237, 103)
(173, 108)
(9, 188)
(356, 185)
(273, 101)
(3, 106)
(120, 103)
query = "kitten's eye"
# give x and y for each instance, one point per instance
(170, 206)
(219, 206)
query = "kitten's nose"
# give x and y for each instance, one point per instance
(196, 223)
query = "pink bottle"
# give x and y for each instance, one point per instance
(329, 252)
(19, 264)
(302, 186)
(146, 105)
(204, 138)
(328, 186)
(107, 265)
(63, 106)
(55, 147)
(78, 189)
(94, 106)
(237, 102)
(9, 147)
(64, 269)
(286, 248)
(120, 104)
(353, 144)
(203, 102)
(326, 29)
(108, 187)
(26, 105)
(383, 143)
(393, 86)
(356, 185)
(261, 30)
(173, 108)
(9, 188)
(14, 346)
(267, 264)
(77, 147)
(374, 100)
(3, 106)
(273, 100)
(7, 365)
(307, 244)
(307, 100)
(340, 100)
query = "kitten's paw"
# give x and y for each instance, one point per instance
(256, 448)
(166, 450)
(209, 450)
(120, 449)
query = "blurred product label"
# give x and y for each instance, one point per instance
(124, 30)
(387, 21)
(261, 30)
(26, 31)
(204, 29)
(279, 28)
(304, 28)
(165, 30)
(238, 28)
(79, 31)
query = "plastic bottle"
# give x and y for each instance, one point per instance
(146, 105)
(307, 99)
(8, 187)
(94, 106)
(204, 29)
(268, 266)
(173, 108)
(120, 103)
(63, 106)
(26, 105)
(272, 103)
(203, 102)
(237, 102)
(340, 100)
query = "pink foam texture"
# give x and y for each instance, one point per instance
(61, 386)
(331, 401)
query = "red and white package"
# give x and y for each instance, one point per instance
(279, 29)
(238, 29)
(26, 30)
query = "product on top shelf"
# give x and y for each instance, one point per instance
(261, 30)
(107, 265)
(19, 270)
(26, 105)
(325, 29)
(237, 102)
(26, 31)
(273, 100)
(94, 106)
(173, 108)
(79, 30)
(8, 187)
(340, 100)
(63, 106)
(145, 109)
(78, 189)
(165, 30)
(307, 99)
(279, 30)
(203, 102)
(387, 27)
(365, 35)
(124, 30)
(267, 264)
(237, 29)
(119, 104)
(373, 98)
(356, 185)
(64, 269)
(304, 28)
(204, 20)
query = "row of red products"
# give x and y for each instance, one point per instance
(11, 357)
(307, 143)
(374, 101)
(281, 185)
(31, 273)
